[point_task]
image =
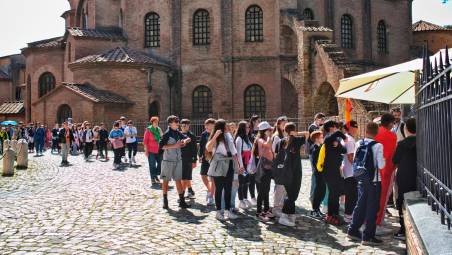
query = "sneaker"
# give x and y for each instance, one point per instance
(210, 201)
(219, 216)
(372, 241)
(262, 217)
(189, 195)
(316, 214)
(165, 203)
(277, 212)
(153, 181)
(248, 203)
(230, 215)
(293, 218)
(270, 215)
(284, 220)
(184, 205)
(354, 236)
(333, 220)
(243, 205)
(347, 218)
(381, 231)
(157, 180)
(400, 236)
(253, 202)
(133, 160)
(192, 193)
(125, 160)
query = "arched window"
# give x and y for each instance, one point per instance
(255, 101)
(64, 112)
(202, 102)
(46, 83)
(254, 24)
(84, 19)
(346, 31)
(152, 30)
(308, 14)
(382, 37)
(201, 33)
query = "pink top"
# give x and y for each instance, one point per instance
(149, 141)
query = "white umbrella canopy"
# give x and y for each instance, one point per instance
(390, 85)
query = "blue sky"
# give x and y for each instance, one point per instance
(26, 21)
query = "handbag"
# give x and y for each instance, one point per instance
(117, 144)
(281, 169)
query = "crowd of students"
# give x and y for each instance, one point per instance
(240, 159)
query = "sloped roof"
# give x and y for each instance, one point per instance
(122, 55)
(427, 26)
(4, 76)
(96, 95)
(110, 34)
(12, 108)
(47, 43)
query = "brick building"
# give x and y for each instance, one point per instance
(435, 36)
(210, 58)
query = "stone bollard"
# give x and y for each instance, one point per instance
(13, 145)
(8, 159)
(22, 154)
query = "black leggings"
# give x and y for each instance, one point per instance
(252, 185)
(132, 148)
(88, 149)
(263, 189)
(292, 189)
(334, 184)
(351, 194)
(243, 187)
(319, 191)
(224, 183)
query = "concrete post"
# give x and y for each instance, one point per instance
(22, 154)
(8, 159)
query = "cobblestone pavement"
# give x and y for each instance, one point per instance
(88, 208)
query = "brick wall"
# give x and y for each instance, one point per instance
(436, 39)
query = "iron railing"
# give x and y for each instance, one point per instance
(434, 136)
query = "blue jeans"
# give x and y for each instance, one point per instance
(366, 209)
(234, 192)
(39, 144)
(154, 164)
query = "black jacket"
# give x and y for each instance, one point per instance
(333, 155)
(202, 144)
(189, 152)
(406, 160)
(62, 136)
(103, 135)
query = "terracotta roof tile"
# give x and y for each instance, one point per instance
(97, 95)
(316, 29)
(11, 108)
(111, 34)
(123, 56)
(47, 43)
(427, 26)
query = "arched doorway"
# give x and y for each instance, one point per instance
(289, 102)
(325, 100)
(154, 109)
(64, 112)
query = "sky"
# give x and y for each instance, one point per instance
(24, 21)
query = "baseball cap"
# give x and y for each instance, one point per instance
(264, 126)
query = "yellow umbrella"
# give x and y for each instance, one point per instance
(390, 85)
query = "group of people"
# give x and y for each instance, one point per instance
(238, 159)
(37, 135)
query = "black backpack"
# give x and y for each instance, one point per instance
(281, 166)
(363, 164)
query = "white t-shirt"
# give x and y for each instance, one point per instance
(130, 131)
(351, 148)
(221, 149)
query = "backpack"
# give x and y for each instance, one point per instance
(363, 163)
(321, 159)
(281, 171)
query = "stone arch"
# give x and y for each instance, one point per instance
(289, 99)
(325, 100)
(154, 109)
(64, 112)
(288, 41)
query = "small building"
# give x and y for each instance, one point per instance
(436, 36)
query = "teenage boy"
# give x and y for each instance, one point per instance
(65, 137)
(331, 169)
(208, 125)
(171, 143)
(389, 141)
(319, 120)
(319, 186)
(406, 161)
(350, 183)
(189, 158)
(369, 188)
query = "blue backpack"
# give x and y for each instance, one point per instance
(363, 163)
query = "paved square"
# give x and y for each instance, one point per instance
(88, 208)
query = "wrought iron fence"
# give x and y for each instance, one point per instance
(434, 136)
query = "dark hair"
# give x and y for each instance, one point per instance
(252, 120)
(319, 116)
(116, 124)
(387, 119)
(277, 130)
(172, 119)
(209, 121)
(289, 127)
(241, 132)
(352, 123)
(185, 121)
(372, 128)
(329, 124)
(411, 125)
(396, 109)
(219, 125)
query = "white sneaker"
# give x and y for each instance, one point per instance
(381, 231)
(133, 160)
(248, 203)
(253, 202)
(243, 205)
(219, 216)
(210, 201)
(347, 218)
(284, 220)
(277, 212)
(230, 215)
(293, 218)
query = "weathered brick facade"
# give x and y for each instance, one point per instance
(298, 63)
